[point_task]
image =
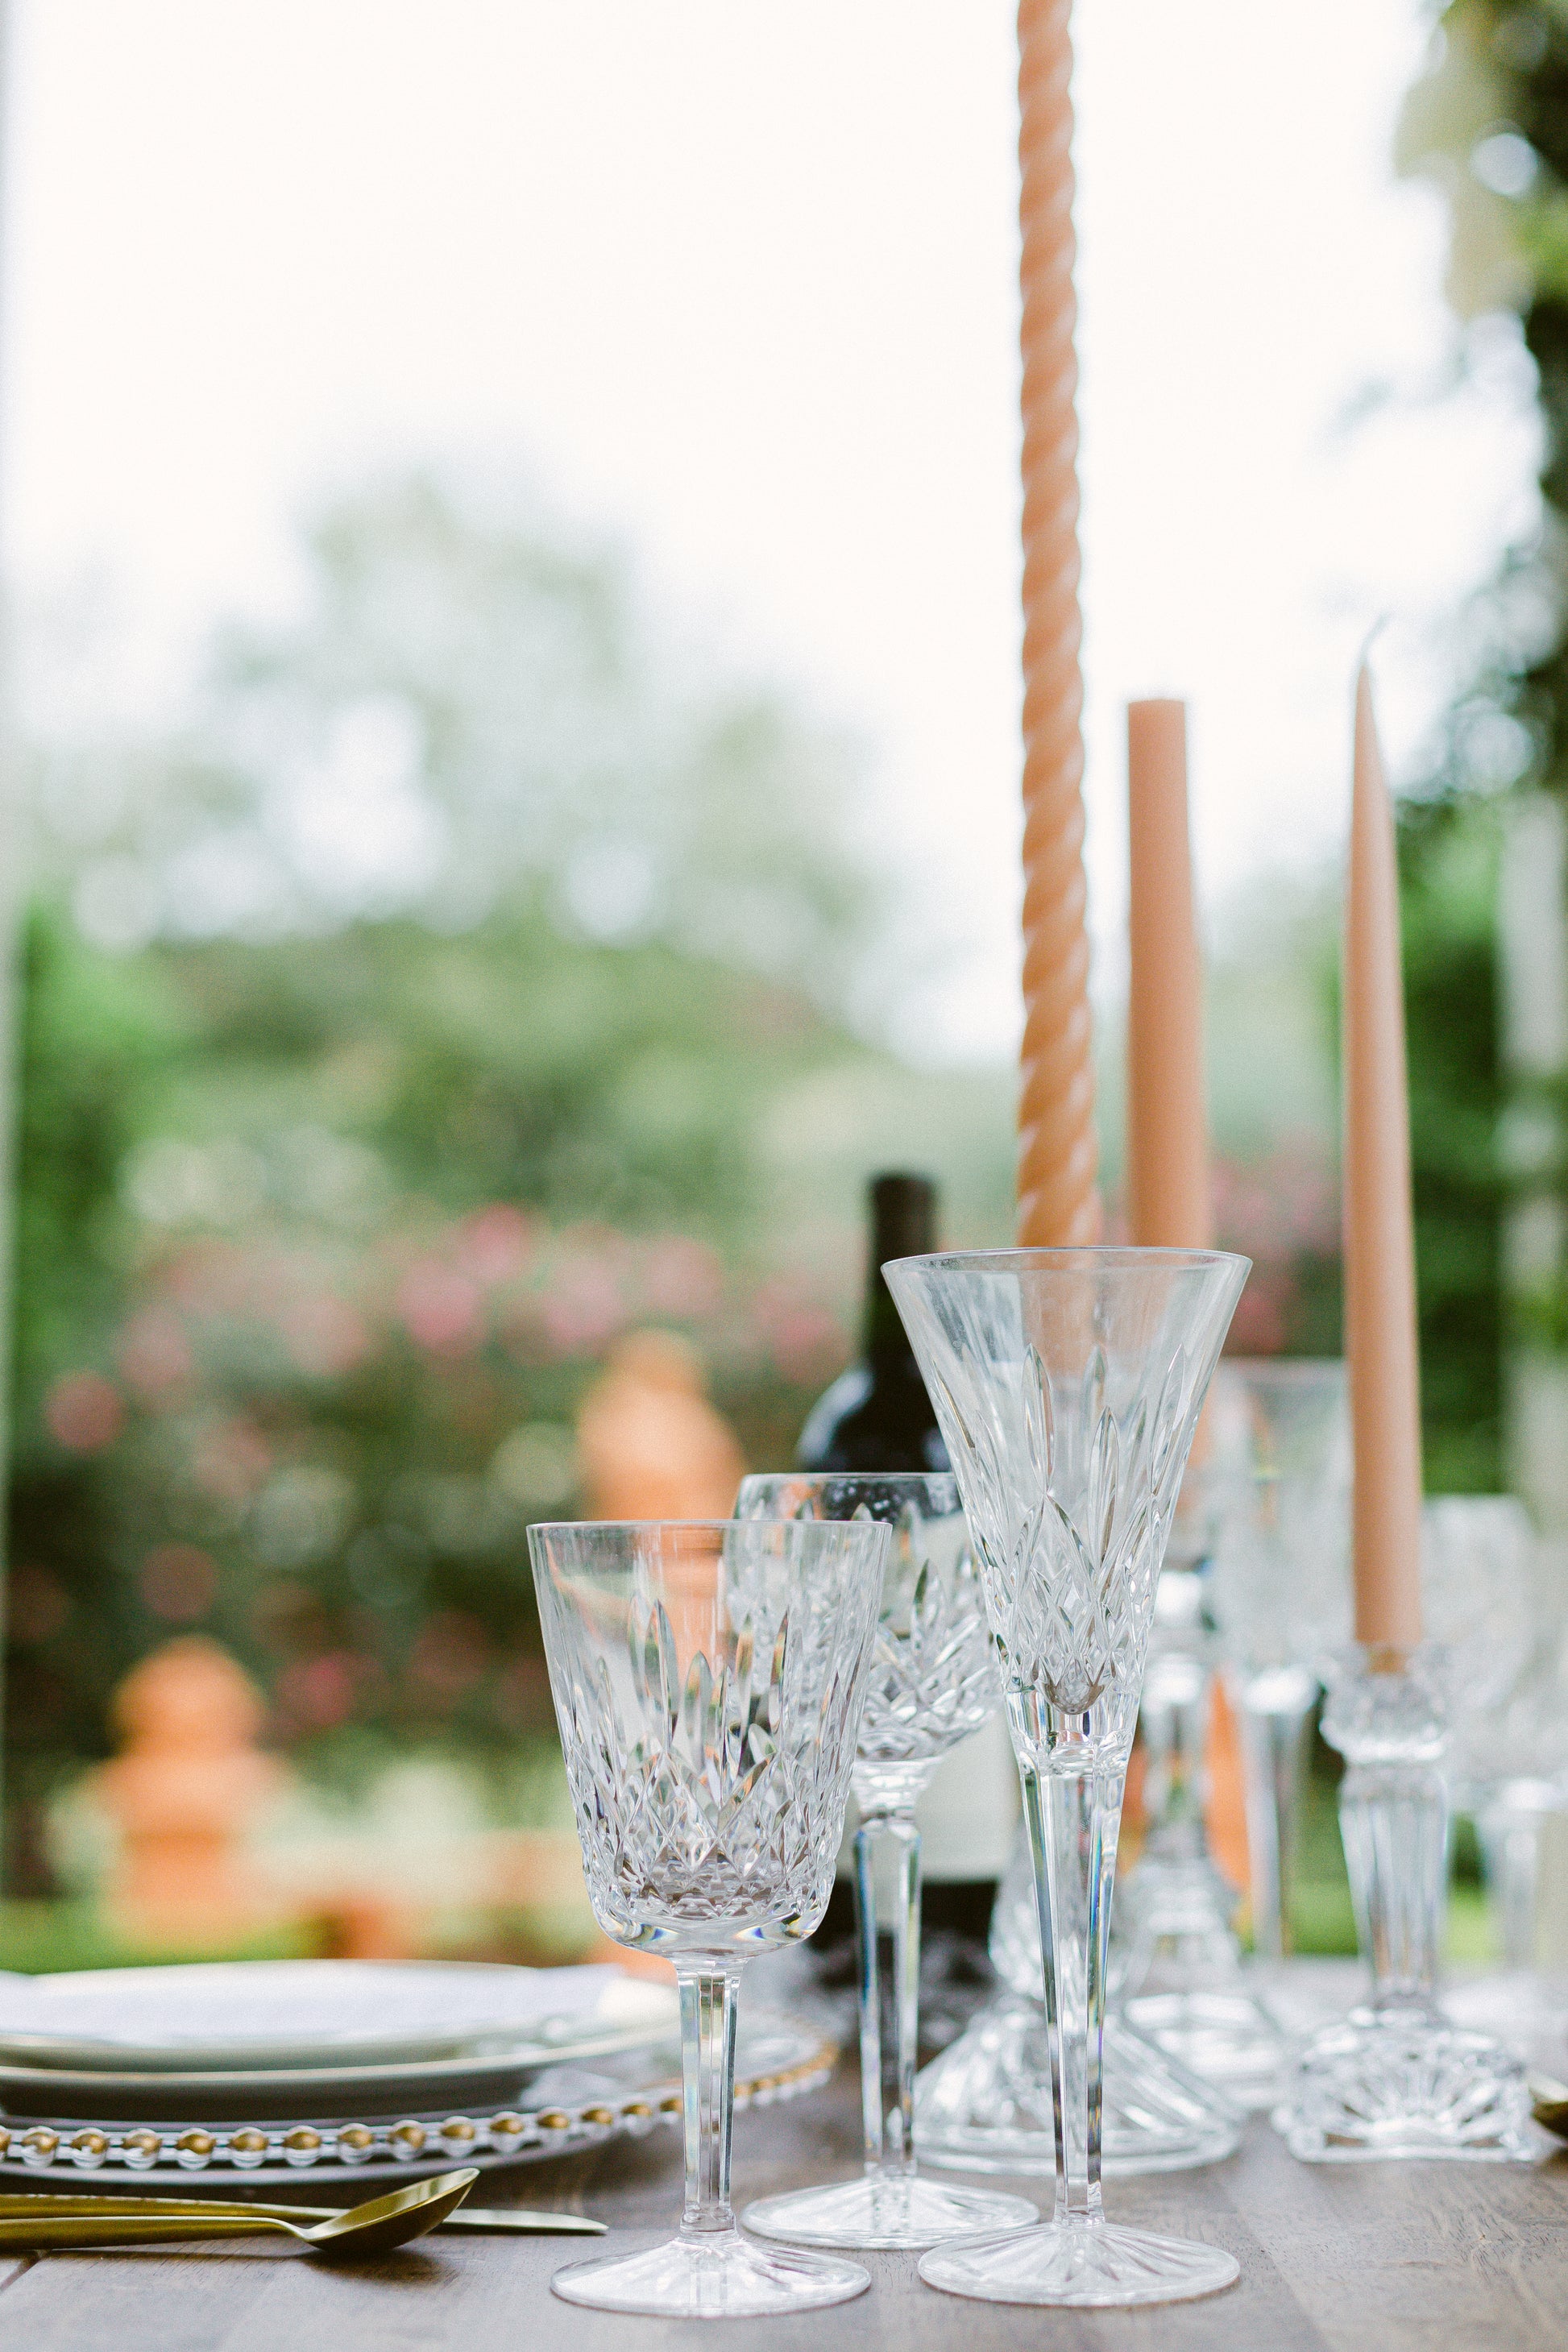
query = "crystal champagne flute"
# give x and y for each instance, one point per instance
(1068, 1384)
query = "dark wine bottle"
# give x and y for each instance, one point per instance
(877, 1415)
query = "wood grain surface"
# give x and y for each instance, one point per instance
(1363, 2258)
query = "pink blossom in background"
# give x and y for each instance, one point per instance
(179, 1582)
(327, 1337)
(1283, 1206)
(495, 1243)
(1260, 1325)
(209, 1278)
(584, 1307)
(683, 1279)
(155, 1353)
(321, 1691)
(231, 1459)
(84, 1413)
(441, 1309)
(804, 1339)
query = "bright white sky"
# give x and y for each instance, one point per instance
(740, 280)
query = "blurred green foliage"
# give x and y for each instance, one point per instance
(320, 1243)
(1448, 847)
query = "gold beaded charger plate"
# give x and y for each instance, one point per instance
(176, 2141)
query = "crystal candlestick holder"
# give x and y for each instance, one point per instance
(1396, 2077)
(985, 2104)
(1068, 1384)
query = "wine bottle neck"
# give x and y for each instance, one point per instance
(886, 1342)
(903, 1224)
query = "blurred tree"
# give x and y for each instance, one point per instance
(1448, 867)
(1488, 122)
(469, 713)
(431, 1012)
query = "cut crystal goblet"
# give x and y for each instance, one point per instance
(933, 1681)
(1068, 1384)
(708, 1679)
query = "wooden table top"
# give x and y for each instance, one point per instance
(1353, 2258)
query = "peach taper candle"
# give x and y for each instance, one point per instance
(1379, 1236)
(1058, 1201)
(1169, 1205)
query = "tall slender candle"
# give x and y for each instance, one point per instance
(1170, 1198)
(1058, 1201)
(1168, 1194)
(1379, 1237)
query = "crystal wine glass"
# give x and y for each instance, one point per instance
(708, 1679)
(1494, 1597)
(1068, 1385)
(933, 1681)
(1279, 1584)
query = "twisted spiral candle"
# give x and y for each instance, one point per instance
(1058, 1201)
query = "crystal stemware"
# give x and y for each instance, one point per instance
(985, 2105)
(1178, 1969)
(1068, 1384)
(1261, 1549)
(1494, 1593)
(708, 1679)
(1280, 1589)
(933, 1681)
(1513, 1786)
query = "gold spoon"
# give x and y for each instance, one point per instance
(373, 2229)
(1548, 2104)
(505, 2221)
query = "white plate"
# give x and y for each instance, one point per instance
(247, 2017)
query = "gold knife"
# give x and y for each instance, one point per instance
(493, 2221)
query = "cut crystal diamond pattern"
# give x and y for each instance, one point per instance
(1068, 1421)
(710, 1779)
(934, 1671)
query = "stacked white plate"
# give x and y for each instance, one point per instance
(269, 2070)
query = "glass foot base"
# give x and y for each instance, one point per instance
(1226, 2038)
(722, 2277)
(984, 2106)
(873, 2212)
(1085, 2265)
(1404, 2082)
(1525, 2011)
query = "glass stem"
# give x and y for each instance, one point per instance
(1173, 1720)
(888, 1906)
(708, 2007)
(1393, 1823)
(1074, 1819)
(1273, 1710)
(1510, 1843)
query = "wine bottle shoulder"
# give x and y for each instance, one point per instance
(871, 1424)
